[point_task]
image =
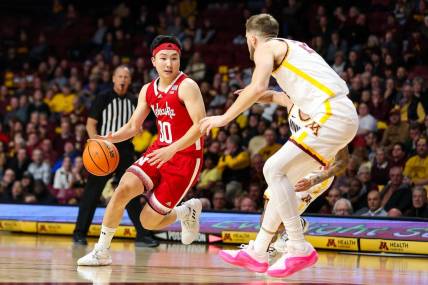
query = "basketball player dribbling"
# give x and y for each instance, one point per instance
(313, 185)
(316, 89)
(171, 166)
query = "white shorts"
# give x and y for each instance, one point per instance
(333, 128)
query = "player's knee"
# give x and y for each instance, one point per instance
(269, 169)
(122, 194)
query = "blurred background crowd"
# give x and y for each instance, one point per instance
(55, 56)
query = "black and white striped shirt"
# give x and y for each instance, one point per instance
(112, 111)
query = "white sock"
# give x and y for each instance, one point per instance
(271, 222)
(284, 199)
(181, 212)
(294, 229)
(106, 236)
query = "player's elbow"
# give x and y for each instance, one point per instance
(134, 129)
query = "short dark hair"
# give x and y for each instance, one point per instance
(122, 66)
(164, 39)
(264, 24)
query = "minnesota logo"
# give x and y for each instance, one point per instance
(383, 246)
(227, 236)
(331, 243)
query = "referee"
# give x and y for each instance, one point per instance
(110, 111)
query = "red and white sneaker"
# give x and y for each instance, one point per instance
(247, 258)
(293, 261)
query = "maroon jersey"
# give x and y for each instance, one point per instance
(172, 118)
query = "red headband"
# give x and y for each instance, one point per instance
(166, 46)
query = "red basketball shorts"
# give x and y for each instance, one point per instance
(169, 184)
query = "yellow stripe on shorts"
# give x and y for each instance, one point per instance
(328, 112)
(309, 150)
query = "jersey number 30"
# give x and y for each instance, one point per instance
(165, 134)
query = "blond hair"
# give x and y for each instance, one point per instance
(264, 25)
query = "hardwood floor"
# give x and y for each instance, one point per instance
(52, 259)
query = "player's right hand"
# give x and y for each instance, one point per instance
(302, 185)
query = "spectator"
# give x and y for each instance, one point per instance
(398, 156)
(271, 146)
(417, 166)
(63, 177)
(235, 162)
(331, 198)
(219, 200)
(374, 207)
(256, 169)
(42, 193)
(100, 32)
(17, 194)
(19, 163)
(394, 213)
(396, 194)
(380, 167)
(397, 131)
(247, 205)
(365, 179)
(211, 174)
(255, 192)
(419, 207)
(80, 175)
(204, 34)
(37, 104)
(27, 182)
(356, 194)
(50, 154)
(339, 63)
(38, 168)
(63, 102)
(367, 121)
(336, 46)
(6, 184)
(196, 67)
(414, 133)
(342, 207)
(378, 106)
(206, 204)
(3, 164)
(411, 109)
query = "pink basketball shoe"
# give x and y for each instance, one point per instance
(292, 262)
(247, 258)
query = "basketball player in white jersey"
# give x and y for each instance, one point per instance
(316, 89)
(309, 188)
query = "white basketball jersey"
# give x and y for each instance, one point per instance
(307, 78)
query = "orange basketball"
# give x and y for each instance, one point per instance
(100, 157)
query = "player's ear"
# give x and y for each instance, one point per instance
(253, 40)
(153, 61)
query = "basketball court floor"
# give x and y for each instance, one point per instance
(52, 259)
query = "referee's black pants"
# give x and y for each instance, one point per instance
(92, 193)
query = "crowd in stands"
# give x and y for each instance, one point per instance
(52, 66)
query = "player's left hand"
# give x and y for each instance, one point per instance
(160, 156)
(209, 123)
(302, 185)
